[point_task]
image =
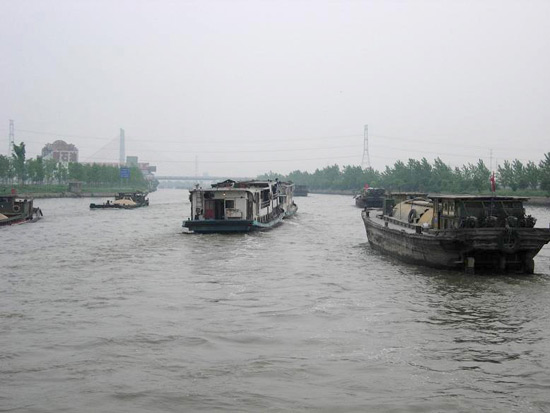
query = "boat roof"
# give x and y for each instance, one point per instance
(18, 197)
(132, 193)
(230, 184)
(478, 197)
(411, 193)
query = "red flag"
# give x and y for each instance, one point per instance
(493, 184)
(366, 186)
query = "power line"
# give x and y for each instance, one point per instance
(207, 141)
(246, 161)
(273, 139)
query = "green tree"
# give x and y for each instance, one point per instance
(442, 177)
(35, 169)
(5, 167)
(544, 172)
(532, 175)
(61, 173)
(520, 176)
(50, 168)
(76, 171)
(507, 176)
(480, 176)
(18, 157)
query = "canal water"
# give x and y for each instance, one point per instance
(118, 311)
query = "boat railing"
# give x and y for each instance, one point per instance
(270, 216)
(416, 227)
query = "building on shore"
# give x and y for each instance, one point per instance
(60, 151)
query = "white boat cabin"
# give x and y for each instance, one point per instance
(249, 200)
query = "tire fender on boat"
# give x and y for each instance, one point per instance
(16, 208)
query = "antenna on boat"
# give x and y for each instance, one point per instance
(365, 162)
(11, 138)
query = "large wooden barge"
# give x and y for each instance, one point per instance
(460, 232)
(245, 206)
(16, 210)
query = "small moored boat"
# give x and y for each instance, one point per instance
(460, 232)
(231, 206)
(125, 200)
(16, 210)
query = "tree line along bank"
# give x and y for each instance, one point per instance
(423, 176)
(17, 170)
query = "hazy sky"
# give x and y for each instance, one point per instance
(251, 86)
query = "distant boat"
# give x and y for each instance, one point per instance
(231, 206)
(124, 200)
(301, 190)
(458, 231)
(17, 210)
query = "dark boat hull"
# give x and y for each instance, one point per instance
(114, 206)
(486, 248)
(23, 218)
(291, 211)
(213, 226)
(362, 202)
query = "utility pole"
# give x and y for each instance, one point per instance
(365, 162)
(11, 138)
(122, 158)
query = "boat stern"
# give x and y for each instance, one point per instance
(212, 226)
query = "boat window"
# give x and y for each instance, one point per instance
(265, 198)
(229, 203)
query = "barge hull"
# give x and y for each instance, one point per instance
(493, 249)
(212, 226)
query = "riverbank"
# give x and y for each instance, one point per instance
(67, 195)
(533, 200)
(333, 191)
(63, 191)
(538, 200)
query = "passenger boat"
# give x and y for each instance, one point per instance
(16, 210)
(301, 190)
(231, 206)
(124, 200)
(370, 198)
(460, 232)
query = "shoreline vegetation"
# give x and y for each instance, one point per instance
(62, 191)
(50, 178)
(533, 199)
(511, 178)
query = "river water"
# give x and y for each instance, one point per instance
(118, 311)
